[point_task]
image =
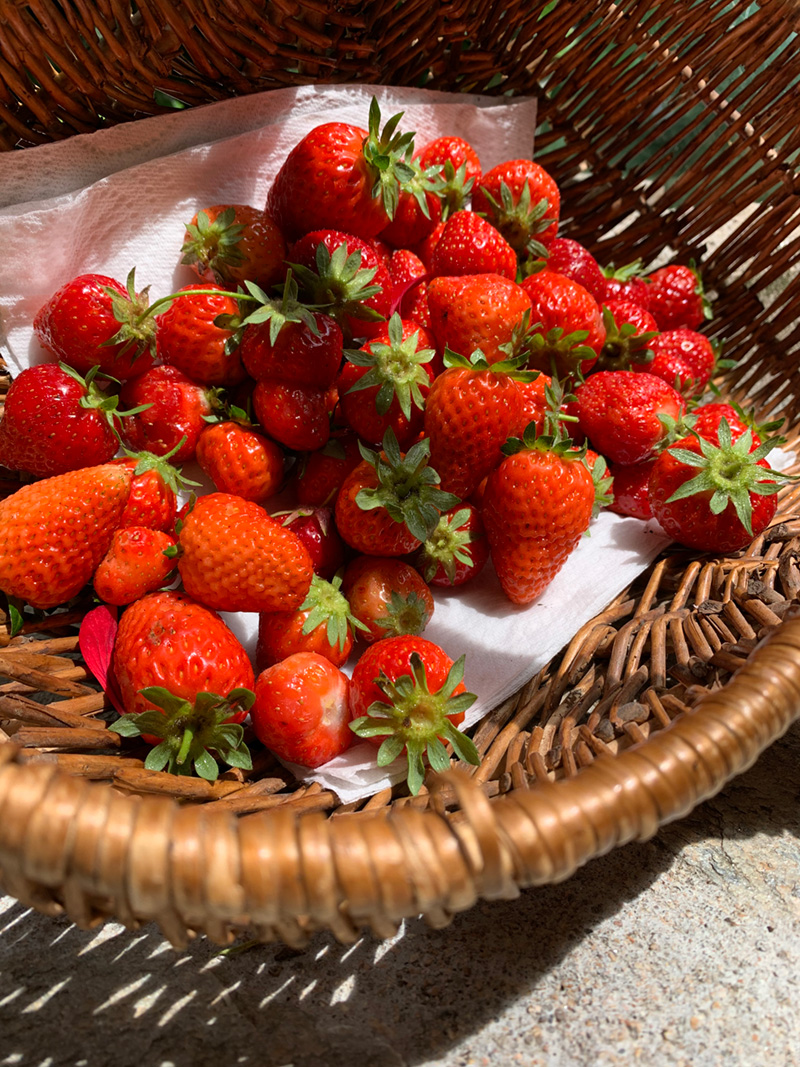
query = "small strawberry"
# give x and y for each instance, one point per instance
(408, 274)
(294, 415)
(631, 333)
(233, 243)
(535, 404)
(54, 532)
(537, 505)
(315, 527)
(424, 250)
(134, 565)
(684, 358)
(189, 338)
(715, 496)
(677, 298)
(477, 311)
(387, 596)
(235, 557)
(320, 475)
(419, 207)
(458, 167)
(705, 419)
(186, 683)
(470, 245)
(301, 711)
(294, 344)
(631, 489)
(171, 413)
(240, 461)
(407, 695)
(522, 200)
(93, 320)
(626, 283)
(567, 330)
(457, 550)
(570, 258)
(152, 499)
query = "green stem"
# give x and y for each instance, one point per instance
(186, 744)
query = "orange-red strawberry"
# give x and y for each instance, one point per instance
(236, 557)
(189, 338)
(458, 167)
(537, 505)
(186, 683)
(677, 298)
(567, 330)
(171, 416)
(407, 695)
(134, 565)
(477, 311)
(240, 461)
(54, 533)
(571, 259)
(470, 245)
(388, 596)
(152, 499)
(234, 243)
(523, 201)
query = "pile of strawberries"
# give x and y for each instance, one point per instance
(402, 347)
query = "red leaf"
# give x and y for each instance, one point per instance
(96, 639)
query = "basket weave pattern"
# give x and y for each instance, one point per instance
(664, 125)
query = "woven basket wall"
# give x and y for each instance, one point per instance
(664, 124)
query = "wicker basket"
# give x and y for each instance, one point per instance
(663, 123)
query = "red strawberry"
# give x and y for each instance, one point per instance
(235, 557)
(453, 150)
(234, 243)
(537, 505)
(620, 411)
(307, 353)
(705, 419)
(567, 330)
(477, 311)
(186, 682)
(457, 550)
(631, 489)
(715, 496)
(630, 335)
(152, 501)
(388, 596)
(384, 383)
(340, 177)
(627, 283)
(189, 338)
(324, 624)
(535, 404)
(522, 200)
(301, 710)
(54, 533)
(321, 473)
(389, 503)
(175, 408)
(407, 695)
(93, 320)
(419, 208)
(684, 358)
(426, 248)
(316, 529)
(570, 258)
(240, 461)
(55, 421)
(134, 565)
(294, 415)
(677, 298)
(470, 245)
(407, 270)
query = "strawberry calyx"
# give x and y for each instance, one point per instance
(327, 606)
(623, 345)
(520, 222)
(189, 732)
(563, 354)
(395, 368)
(729, 471)
(513, 367)
(170, 475)
(552, 440)
(453, 188)
(408, 487)
(417, 721)
(340, 284)
(213, 245)
(708, 310)
(448, 545)
(626, 272)
(603, 483)
(96, 398)
(137, 329)
(383, 152)
(403, 613)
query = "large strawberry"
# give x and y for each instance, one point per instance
(408, 696)
(567, 330)
(54, 533)
(171, 412)
(236, 557)
(477, 311)
(186, 684)
(677, 299)
(241, 461)
(537, 505)
(341, 177)
(234, 243)
(470, 245)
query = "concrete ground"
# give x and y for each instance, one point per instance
(681, 951)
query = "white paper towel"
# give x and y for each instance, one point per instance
(114, 199)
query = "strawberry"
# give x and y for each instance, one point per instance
(171, 415)
(631, 489)
(235, 557)
(522, 200)
(470, 245)
(419, 207)
(626, 283)
(408, 273)
(55, 421)
(570, 258)
(301, 710)
(189, 338)
(457, 550)
(715, 495)
(535, 404)
(385, 382)
(134, 565)
(389, 504)
(705, 419)
(341, 177)
(567, 330)
(93, 320)
(305, 349)
(458, 167)
(388, 597)
(294, 415)
(469, 413)
(537, 505)
(424, 250)
(324, 624)
(233, 243)
(630, 334)
(240, 461)
(407, 695)
(321, 474)
(621, 412)
(677, 298)
(684, 358)
(477, 311)
(152, 499)
(186, 683)
(316, 529)
(54, 533)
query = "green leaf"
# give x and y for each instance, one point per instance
(206, 766)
